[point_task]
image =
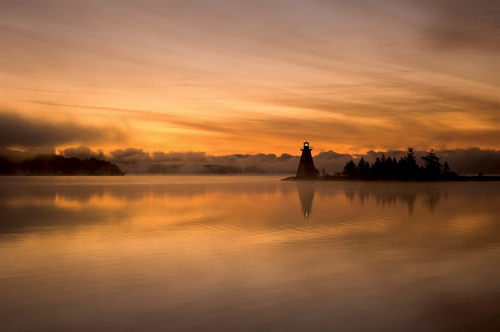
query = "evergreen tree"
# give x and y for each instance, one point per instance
(350, 169)
(446, 168)
(408, 166)
(432, 165)
(375, 169)
(405, 169)
(395, 168)
(361, 165)
(363, 168)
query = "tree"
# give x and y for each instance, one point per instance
(395, 167)
(448, 174)
(408, 165)
(350, 169)
(432, 165)
(446, 168)
(362, 167)
(410, 158)
(376, 168)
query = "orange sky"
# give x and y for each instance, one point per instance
(250, 76)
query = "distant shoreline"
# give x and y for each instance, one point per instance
(56, 165)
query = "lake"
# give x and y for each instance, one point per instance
(247, 253)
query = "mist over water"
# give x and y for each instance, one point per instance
(237, 253)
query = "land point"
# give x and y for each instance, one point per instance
(385, 169)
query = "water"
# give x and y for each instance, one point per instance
(247, 254)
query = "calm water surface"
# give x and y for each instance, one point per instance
(247, 254)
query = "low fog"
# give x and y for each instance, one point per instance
(137, 161)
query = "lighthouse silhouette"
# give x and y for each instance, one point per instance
(306, 165)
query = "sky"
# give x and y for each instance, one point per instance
(250, 77)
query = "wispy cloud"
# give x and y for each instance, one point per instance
(349, 75)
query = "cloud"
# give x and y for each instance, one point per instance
(133, 160)
(82, 153)
(331, 162)
(23, 132)
(226, 75)
(19, 156)
(462, 24)
(472, 161)
(156, 117)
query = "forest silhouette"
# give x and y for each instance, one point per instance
(58, 165)
(391, 169)
(405, 169)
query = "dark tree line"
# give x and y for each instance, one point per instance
(58, 165)
(405, 168)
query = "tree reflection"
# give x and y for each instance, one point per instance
(389, 195)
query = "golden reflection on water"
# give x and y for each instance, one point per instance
(246, 253)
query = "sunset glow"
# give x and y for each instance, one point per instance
(250, 77)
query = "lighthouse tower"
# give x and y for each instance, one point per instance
(306, 165)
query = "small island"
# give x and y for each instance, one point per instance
(50, 165)
(385, 169)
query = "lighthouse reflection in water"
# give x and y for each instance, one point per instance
(306, 191)
(210, 253)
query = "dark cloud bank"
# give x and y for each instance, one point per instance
(17, 130)
(137, 161)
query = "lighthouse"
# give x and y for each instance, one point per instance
(306, 165)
